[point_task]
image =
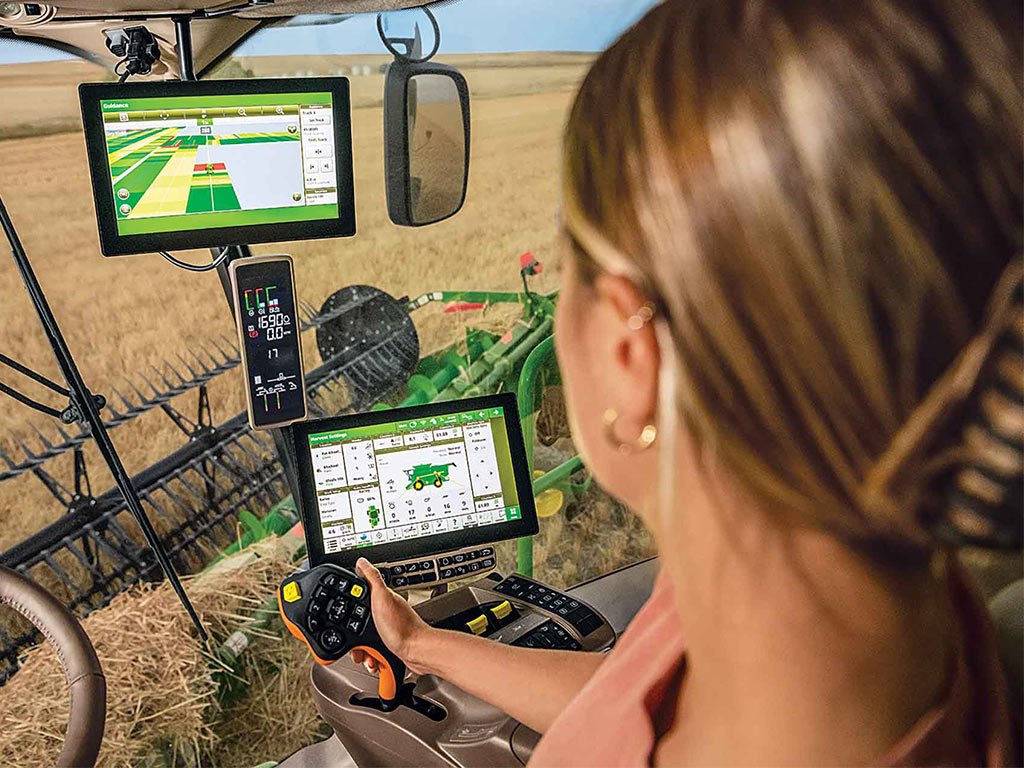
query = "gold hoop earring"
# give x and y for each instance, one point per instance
(643, 316)
(646, 439)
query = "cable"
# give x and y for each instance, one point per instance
(198, 267)
(26, 371)
(26, 400)
(37, 377)
(123, 74)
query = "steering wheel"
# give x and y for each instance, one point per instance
(86, 684)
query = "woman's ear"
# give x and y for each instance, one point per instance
(634, 355)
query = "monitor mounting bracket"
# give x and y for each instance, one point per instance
(138, 50)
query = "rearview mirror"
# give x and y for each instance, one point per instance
(426, 142)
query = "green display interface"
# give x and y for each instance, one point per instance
(408, 479)
(182, 163)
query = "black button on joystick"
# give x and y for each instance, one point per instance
(332, 639)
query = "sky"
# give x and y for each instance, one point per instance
(18, 51)
(469, 26)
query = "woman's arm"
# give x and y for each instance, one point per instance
(531, 685)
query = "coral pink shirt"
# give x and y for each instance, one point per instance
(611, 720)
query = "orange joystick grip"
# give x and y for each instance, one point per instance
(328, 608)
(388, 682)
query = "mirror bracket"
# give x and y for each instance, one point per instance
(406, 185)
(413, 45)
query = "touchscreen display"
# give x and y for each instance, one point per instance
(199, 162)
(404, 480)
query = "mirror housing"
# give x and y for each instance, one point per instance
(426, 142)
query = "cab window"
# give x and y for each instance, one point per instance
(522, 70)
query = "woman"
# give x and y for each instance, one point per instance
(793, 234)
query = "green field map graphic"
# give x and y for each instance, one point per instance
(168, 172)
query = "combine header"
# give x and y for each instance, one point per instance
(226, 484)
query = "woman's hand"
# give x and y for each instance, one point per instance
(398, 625)
(532, 685)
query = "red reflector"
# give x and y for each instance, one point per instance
(463, 306)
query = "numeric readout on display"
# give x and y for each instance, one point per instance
(265, 296)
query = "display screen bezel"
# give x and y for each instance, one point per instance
(114, 244)
(239, 266)
(427, 545)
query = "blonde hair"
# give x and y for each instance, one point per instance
(820, 199)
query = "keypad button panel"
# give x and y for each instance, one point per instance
(582, 618)
(337, 605)
(427, 572)
(548, 635)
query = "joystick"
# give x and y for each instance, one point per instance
(328, 608)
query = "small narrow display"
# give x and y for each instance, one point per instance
(265, 297)
(408, 479)
(232, 160)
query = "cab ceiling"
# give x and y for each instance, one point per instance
(80, 24)
(117, 8)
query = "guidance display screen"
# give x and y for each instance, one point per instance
(397, 484)
(196, 162)
(268, 327)
(178, 165)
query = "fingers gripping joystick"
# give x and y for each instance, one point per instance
(328, 608)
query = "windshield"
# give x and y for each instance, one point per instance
(522, 62)
(160, 343)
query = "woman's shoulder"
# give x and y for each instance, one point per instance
(657, 614)
(614, 709)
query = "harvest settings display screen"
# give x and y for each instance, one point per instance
(196, 162)
(406, 479)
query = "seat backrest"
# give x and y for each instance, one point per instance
(1007, 609)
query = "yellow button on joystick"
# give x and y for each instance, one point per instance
(291, 592)
(356, 591)
(478, 625)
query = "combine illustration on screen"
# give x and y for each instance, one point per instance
(180, 163)
(423, 474)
